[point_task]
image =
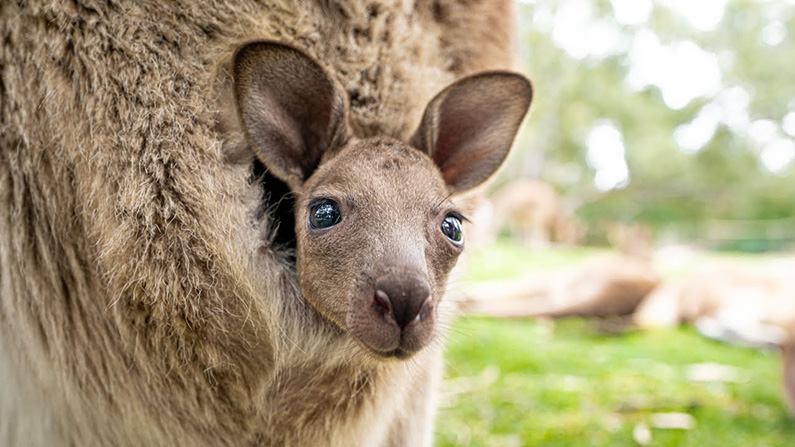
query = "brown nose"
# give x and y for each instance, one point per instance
(403, 297)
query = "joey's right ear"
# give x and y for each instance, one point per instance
(290, 109)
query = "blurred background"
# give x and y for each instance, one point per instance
(677, 113)
(631, 278)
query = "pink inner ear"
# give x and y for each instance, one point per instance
(452, 133)
(279, 122)
(472, 124)
(292, 110)
(464, 139)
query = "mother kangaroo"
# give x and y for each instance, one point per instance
(148, 286)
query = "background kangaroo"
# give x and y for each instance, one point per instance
(148, 295)
(733, 303)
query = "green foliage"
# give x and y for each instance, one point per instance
(668, 187)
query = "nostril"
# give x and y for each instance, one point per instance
(425, 311)
(383, 305)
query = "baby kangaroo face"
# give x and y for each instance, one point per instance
(377, 233)
(377, 237)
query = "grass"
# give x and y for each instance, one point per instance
(507, 260)
(536, 383)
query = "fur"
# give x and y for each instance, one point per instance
(141, 302)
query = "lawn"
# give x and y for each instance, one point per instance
(564, 383)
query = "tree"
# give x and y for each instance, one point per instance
(701, 100)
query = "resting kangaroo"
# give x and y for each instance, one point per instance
(377, 233)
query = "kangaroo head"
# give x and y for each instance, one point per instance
(377, 233)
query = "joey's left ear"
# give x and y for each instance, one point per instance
(469, 127)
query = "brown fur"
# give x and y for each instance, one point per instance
(140, 300)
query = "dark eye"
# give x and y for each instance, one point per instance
(323, 213)
(451, 227)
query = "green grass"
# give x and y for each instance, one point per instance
(517, 383)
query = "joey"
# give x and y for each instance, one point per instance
(377, 231)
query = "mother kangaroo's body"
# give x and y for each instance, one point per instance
(142, 298)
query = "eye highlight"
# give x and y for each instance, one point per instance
(451, 228)
(323, 214)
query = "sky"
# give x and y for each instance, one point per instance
(681, 70)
